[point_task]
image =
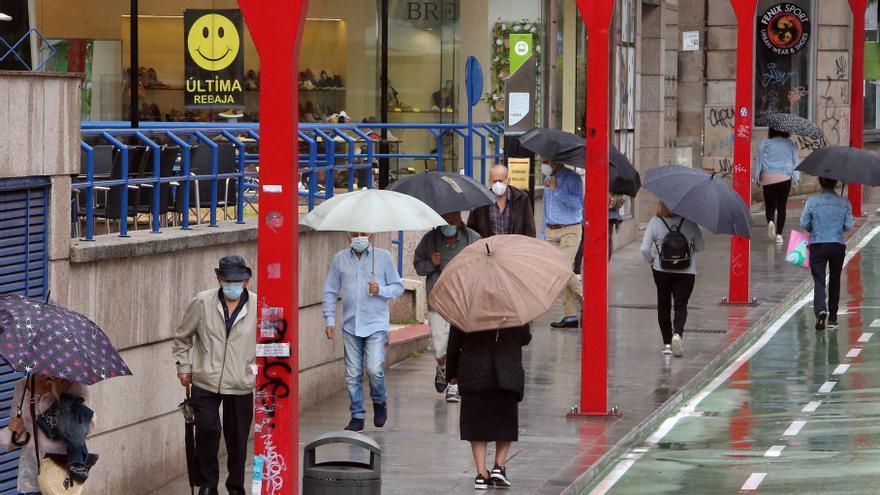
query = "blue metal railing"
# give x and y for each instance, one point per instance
(324, 149)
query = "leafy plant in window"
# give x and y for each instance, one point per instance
(501, 63)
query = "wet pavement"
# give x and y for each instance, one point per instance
(796, 413)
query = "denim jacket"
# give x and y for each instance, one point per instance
(826, 217)
(778, 155)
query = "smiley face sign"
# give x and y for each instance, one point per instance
(213, 59)
(213, 42)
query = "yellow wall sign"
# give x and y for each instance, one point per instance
(214, 59)
(518, 172)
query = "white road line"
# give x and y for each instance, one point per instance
(794, 428)
(854, 352)
(754, 481)
(875, 323)
(865, 337)
(841, 369)
(827, 387)
(812, 406)
(690, 406)
(774, 451)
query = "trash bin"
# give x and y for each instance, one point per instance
(342, 477)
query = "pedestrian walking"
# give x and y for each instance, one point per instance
(367, 280)
(37, 396)
(826, 217)
(563, 227)
(669, 244)
(774, 170)
(487, 367)
(215, 354)
(436, 249)
(511, 213)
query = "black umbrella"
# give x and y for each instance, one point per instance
(41, 338)
(192, 458)
(792, 124)
(701, 198)
(565, 147)
(845, 164)
(445, 192)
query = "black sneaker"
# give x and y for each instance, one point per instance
(499, 477)
(567, 322)
(832, 324)
(440, 380)
(480, 483)
(820, 321)
(355, 425)
(380, 414)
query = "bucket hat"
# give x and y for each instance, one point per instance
(233, 269)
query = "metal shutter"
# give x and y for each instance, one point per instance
(24, 260)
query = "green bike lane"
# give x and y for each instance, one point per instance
(798, 411)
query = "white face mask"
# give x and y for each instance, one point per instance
(547, 170)
(499, 188)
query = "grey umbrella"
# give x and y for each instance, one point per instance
(843, 163)
(792, 124)
(702, 198)
(445, 192)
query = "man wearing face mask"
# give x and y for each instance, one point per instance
(214, 351)
(434, 252)
(563, 227)
(510, 214)
(367, 280)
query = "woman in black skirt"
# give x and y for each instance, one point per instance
(487, 366)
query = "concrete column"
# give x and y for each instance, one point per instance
(650, 135)
(692, 78)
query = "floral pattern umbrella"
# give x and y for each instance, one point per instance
(41, 338)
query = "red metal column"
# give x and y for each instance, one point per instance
(857, 93)
(275, 27)
(594, 353)
(742, 150)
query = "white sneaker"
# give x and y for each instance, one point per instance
(771, 231)
(667, 350)
(677, 347)
(780, 240)
(452, 394)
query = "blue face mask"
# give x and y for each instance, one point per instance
(360, 244)
(233, 290)
(449, 230)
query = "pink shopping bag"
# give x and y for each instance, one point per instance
(798, 252)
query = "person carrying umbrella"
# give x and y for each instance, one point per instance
(774, 170)
(436, 249)
(563, 227)
(367, 280)
(214, 351)
(511, 213)
(826, 217)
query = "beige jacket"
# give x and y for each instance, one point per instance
(217, 364)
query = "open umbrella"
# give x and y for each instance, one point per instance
(845, 164)
(500, 282)
(445, 192)
(371, 211)
(701, 198)
(41, 338)
(792, 124)
(565, 147)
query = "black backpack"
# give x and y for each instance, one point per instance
(674, 249)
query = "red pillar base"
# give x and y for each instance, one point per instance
(752, 303)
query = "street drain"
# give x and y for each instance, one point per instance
(706, 330)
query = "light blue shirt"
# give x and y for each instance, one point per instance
(778, 155)
(362, 314)
(565, 204)
(826, 217)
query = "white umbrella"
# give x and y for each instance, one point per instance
(371, 211)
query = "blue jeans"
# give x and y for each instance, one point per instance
(361, 352)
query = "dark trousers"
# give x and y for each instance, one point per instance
(776, 203)
(824, 256)
(671, 287)
(238, 415)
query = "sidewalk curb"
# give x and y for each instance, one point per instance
(653, 421)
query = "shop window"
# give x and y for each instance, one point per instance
(783, 54)
(624, 85)
(872, 67)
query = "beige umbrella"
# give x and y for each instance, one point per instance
(500, 282)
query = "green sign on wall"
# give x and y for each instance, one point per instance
(521, 48)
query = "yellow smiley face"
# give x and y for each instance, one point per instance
(213, 42)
